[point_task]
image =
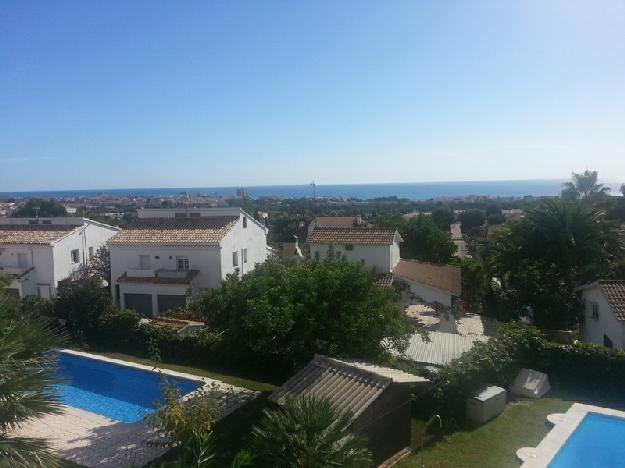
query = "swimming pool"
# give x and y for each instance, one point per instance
(118, 392)
(598, 441)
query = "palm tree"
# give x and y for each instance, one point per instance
(27, 373)
(308, 433)
(558, 246)
(583, 186)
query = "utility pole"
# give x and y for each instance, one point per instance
(314, 187)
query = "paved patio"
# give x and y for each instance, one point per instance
(96, 441)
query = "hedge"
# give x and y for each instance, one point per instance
(581, 369)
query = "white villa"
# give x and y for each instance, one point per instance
(376, 248)
(604, 313)
(38, 253)
(170, 254)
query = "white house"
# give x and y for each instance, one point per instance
(169, 254)
(429, 281)
(38, 253)
(376, 248)
(604, 313)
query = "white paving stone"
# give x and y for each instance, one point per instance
(96, 441)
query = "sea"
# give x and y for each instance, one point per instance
(411, 190)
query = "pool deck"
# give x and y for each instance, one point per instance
(96, 441)
(564, 425)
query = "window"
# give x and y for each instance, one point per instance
(33, 221)
(235, 259)
(349, 247)
(75, 254)
(144, 262)
(46, 221)
(180, 215)
(607, 342)
(244, 255)
(90, 252)
(194, 215)
(244, 222)
(594, 310)
(182, 263)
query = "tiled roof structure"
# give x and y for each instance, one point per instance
(614, 291)
(350, 386)
(357, 236)
(171, 231)
(33, 234)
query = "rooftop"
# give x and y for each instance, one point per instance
(350, 386)
(614, 291)
(34, 234)
(172, 231)
(355, 235)
(441, 348)
(337, 221)
(444, 277)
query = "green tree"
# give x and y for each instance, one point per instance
(82, 306)
(472, 218)
(584, 186)
(558, 246)
(281, 314)
(308, 433)
(40, 207)
(423, 240)
(27, 371)
(5, 281)
(443, 216)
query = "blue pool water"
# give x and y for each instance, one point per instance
(598, 442)
(117, 392)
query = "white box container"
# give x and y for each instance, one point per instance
(484, 406)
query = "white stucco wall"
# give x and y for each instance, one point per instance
(205, 258)
(37, 256)
(381, 257)
(593, 330)
(253, 238)
(428, 293)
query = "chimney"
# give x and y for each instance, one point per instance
(358, 220)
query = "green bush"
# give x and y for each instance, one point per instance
(582, 369)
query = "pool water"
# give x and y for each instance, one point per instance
(118, 392)
(597, 442)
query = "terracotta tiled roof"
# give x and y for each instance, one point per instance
(614, 291)
(171, 231)
(443, 277)
(358, 236)
(33, 234)
(350, 386)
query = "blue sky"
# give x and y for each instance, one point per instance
(107, 94)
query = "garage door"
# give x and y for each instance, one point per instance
(168, 301)
(140, 303)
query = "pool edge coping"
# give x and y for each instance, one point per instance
(555, 439)
(206, 381)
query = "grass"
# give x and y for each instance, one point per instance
(226, 378)
(492, 445)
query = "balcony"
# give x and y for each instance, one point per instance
(139, 273)
(15, 271)
(158, 276)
